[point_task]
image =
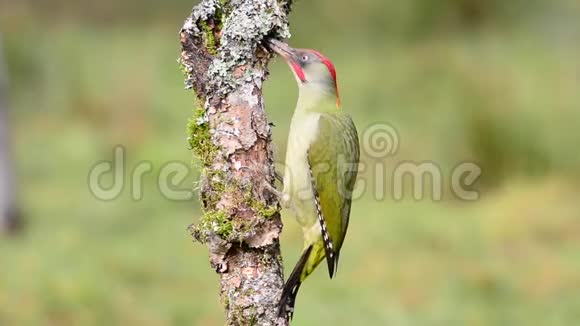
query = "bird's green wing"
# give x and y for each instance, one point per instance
(333, 159)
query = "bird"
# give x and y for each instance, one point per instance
(321, 166)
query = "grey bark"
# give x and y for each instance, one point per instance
(226, 66)
(9, 216)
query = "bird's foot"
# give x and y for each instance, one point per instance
(282, 197)
(279, 177)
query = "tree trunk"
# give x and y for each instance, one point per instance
(225, 65)
(9, 216)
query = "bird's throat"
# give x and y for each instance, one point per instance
(317, 97)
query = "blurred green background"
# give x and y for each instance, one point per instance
(488, 81)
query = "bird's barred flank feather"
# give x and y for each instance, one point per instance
(328, 245)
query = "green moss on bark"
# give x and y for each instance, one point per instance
(209, 37)
(199, 137)
(217, 222)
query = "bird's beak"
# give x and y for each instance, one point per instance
(289, 54)
(282, 49)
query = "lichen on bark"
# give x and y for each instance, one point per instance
(225, 65)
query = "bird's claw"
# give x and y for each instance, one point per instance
(282, 197)
(279, 177)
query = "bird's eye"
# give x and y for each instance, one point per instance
(305, 58)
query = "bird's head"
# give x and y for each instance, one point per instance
(311, 68)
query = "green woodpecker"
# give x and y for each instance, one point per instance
(321, 166)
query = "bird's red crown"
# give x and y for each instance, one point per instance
(332, 71)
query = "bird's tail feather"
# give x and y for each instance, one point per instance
(288, 297)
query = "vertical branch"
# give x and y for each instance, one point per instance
(9, 217)
(225, 65)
